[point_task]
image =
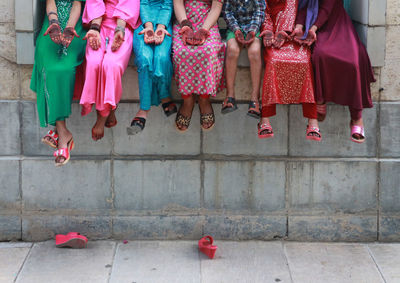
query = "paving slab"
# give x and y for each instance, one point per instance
(387, 257)
(46, 263)
(325, 262)
(11, 259)
(159, 262)
(246, 262)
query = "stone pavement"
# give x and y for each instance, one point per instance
(180, 261)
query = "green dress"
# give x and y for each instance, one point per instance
(53, 76)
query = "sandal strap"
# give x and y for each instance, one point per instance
(315, 130)
(207, 118)
(230, 100)
(357, 130)
(139, 121)
(166, 104)
(62, 152)
(264, 127)
(52, 135)
(182, 120)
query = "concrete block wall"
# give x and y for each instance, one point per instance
(165, 185)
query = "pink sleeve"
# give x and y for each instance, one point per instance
(128, 10)
(93, 9)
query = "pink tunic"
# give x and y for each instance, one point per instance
(104, 68)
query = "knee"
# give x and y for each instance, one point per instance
(110, 64)
(93, 62)
(254, 53)
(163, 59)
(233, 52)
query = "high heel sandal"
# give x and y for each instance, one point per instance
(313, 133)
(51, 136)
(265, 131)
(64, 152)
(357, 130)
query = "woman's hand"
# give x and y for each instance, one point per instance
(119, 38)
(68, 35)
(201, 36)
(54, 31)
(311, 37)
(187, 35)
(239, 36)
(94, 39)
(160, 33)
(298, 34)
(268, 38)
(148, 32)
(280, 39)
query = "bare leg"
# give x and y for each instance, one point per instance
(111, 119)
(232, 56)
(98, 128)
(142, 113)
(254, 53)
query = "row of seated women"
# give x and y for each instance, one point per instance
(312, 55)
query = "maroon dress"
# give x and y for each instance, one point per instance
(342, 68)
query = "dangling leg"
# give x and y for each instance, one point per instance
(310, 112)
(264, 126)
(357, 125)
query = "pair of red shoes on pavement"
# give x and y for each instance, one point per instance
(77, 241)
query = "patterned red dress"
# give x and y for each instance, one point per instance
(288, 77)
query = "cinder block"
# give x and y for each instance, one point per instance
(236, 134)
(258, 186)
(79, 126)
(45, 227)
(335, 132)
(348, 228)
(9, 131)
(7, 42)
(7, 11)
(10, 228)
(392, 12)
(9, 187)
(157, 185)
(331, 187)
(390, 187)
(158, 137)
(80, 185)
(158, 227)
(390, 135)
(245, 227)
(389, 227)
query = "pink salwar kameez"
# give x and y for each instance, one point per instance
(104, 68)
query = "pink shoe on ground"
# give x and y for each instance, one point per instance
(206, 246)
(72, 240)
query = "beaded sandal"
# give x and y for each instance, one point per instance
(51, 139)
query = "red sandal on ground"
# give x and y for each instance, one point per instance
(265, 131)
(72, 240)
(313, 133)
(51, 139)
(206, 246)
(64, 152)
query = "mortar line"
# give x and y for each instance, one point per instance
(113, 261)
(376, 264)
(112, 182)
(21, 123)
(202, 174)
(378, 155)
(287, 185)
(286, 260)
(23, 263)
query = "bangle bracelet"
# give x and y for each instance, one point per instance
(119, 28)
(95, 27)
(186, 22)
(54, 21)
(52, 13)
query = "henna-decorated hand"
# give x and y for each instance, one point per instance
(119, 38)
(148, 35)
(201, 36)
(94, 39)
(161, 32)
(268, 38)
(239, 36)
(54, 31)
(297, 34)
(250, 38)
(187, 35)
(311, 37)
(68, 35)
(280, 39)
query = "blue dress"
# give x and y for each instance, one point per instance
(154, 61)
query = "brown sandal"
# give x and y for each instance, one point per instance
(182, 121)
(206, 119)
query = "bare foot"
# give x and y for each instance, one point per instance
(64, 136)
(98, 128)
(111, 119)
